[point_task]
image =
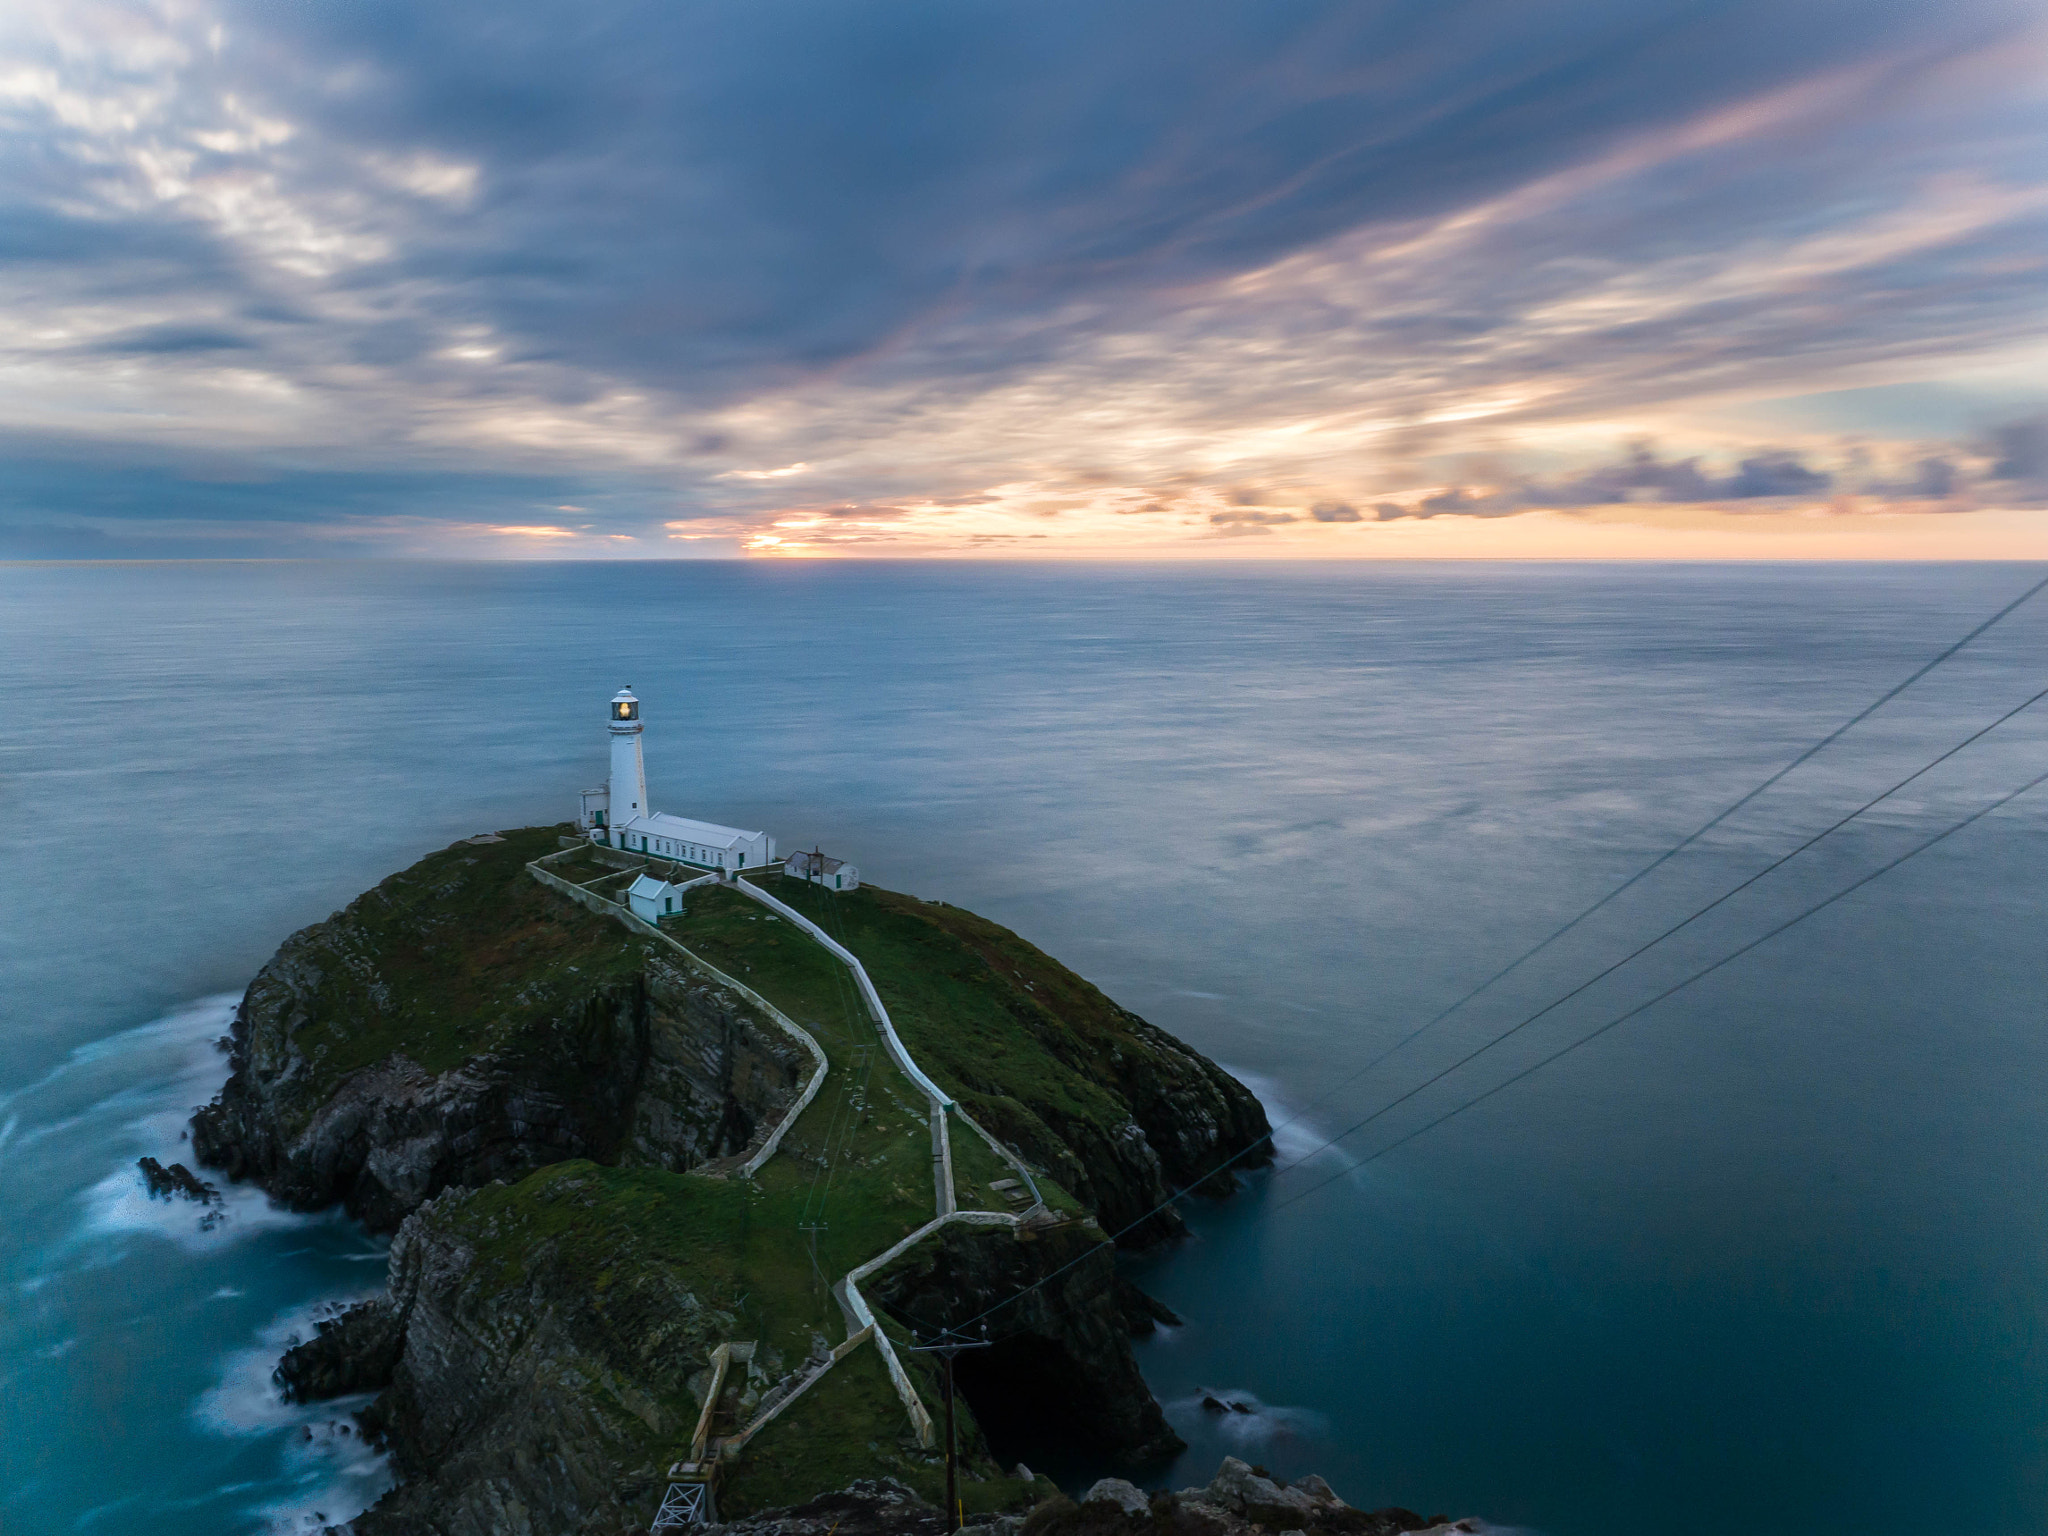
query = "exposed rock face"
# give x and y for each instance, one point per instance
(878, 1506)
(625, 1057)
(534, 1405)
(1116, 1491)
(511, 1083)
(1064, 1352)
(1241, 1501)
(355, 1351)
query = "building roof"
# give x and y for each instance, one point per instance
(814, 863)
(647, 886)
(683, 829)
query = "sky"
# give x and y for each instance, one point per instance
(1724, 279)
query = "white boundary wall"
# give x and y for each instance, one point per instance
(605, 907)
(861, 1324)
(939, 1097)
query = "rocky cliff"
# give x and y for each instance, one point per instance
(547, 1108)
(1241, 1500)
(460, 1024)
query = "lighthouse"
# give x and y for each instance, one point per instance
(628, 798)
(617, 815)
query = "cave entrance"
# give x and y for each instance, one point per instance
(1033, 1403)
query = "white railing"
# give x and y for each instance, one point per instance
(897, 1053)
(605, 907)
(860, 1319)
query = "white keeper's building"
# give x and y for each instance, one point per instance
(618, 815)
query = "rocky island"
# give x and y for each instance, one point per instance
(669, 1198)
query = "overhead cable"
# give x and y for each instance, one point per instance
(1683, 923)
(1692, 837)
(1644, 1007)
(1745, 949)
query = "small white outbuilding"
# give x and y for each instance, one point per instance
(651, 900)
(821, 869)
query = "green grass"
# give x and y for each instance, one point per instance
(853, 1425)
(859, 1157)
(460, 954)
(624, 1244)
(477, 956)
(1027, 1046)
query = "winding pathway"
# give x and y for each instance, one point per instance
(861, 1324)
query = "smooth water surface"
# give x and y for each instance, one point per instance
(1767, 1259)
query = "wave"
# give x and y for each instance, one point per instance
(1296, 1138)
(121, 1204)
(204, 1018)
(330, 1473)
(153, 1115)
(1243, 1421)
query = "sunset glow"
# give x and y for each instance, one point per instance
(1782, 302)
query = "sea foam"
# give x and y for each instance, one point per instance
(1296, 1137)
(154, 1115)
(329, 1473)
(1244, 1421)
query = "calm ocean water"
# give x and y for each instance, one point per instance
(1768, 1259)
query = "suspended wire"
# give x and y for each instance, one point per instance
(860, 1029)
(1558, 933)
(1644, 1007)
(843, 1120)
(1677, 848)
(1805, 756)
(1683, 923)
(1865, 880)
(852, 1103)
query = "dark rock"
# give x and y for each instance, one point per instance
(664, 1069)
(355, 1351)
(871, 1507)
(1142, 1313)
(1211, 1405)
(879, 1509)
(1065, 1354)
(176, 1181)
(1239, 1502)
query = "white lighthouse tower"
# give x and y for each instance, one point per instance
(618, 814)
(628, 798)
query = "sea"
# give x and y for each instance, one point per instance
(1768, 1257)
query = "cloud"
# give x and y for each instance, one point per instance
(72, 507)
(1775, 473)
(1932, 477)
(706, 198)
(166, 339)
(1642, 475)
(2020, 450)
(469, 262)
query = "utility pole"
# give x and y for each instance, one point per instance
(814, 1228)
(946, 1346)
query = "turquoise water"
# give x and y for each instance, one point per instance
(1768, 1259)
